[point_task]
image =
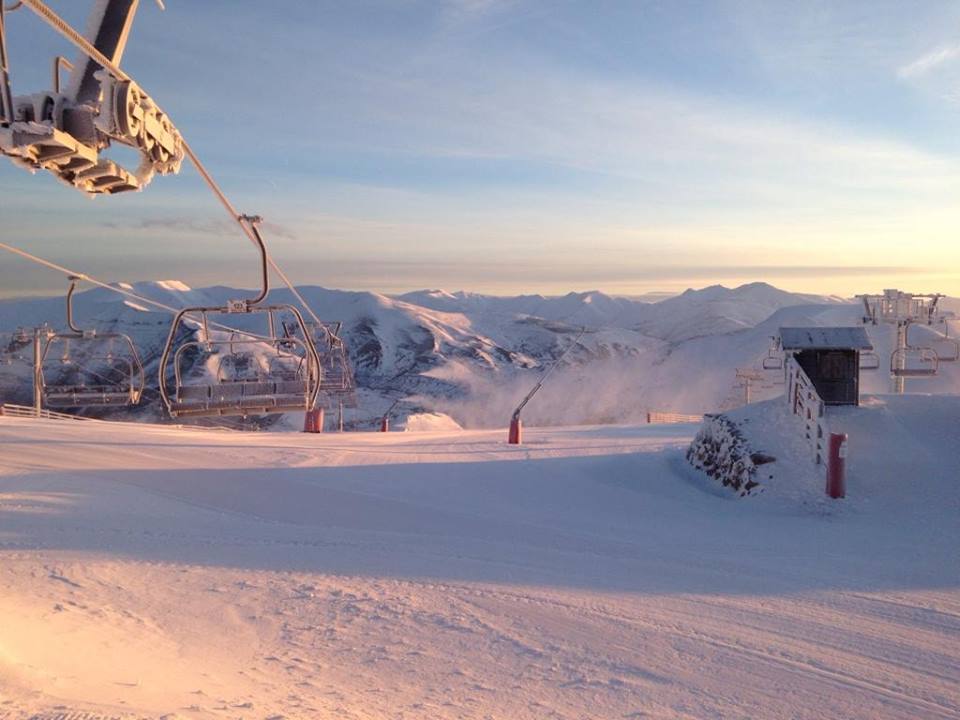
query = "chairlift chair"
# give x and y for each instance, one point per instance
(256, 373)
(914, 362)
(947, 349)
(19, 340)
(773, 363)
(337, 376)
(869, 360)
(774, 358)
(85, 368)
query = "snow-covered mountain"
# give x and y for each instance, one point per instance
(474, 356)
(708, 311)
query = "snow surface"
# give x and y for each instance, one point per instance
(153, 572)
(425, 422)
(175, 285)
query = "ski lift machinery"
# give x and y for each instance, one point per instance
(289, 382)
(65, 130)
(93, 369)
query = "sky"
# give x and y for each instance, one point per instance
(510, 146)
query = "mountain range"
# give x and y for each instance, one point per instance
(473, 357)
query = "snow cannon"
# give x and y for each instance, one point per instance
(515, 436)
(385, 420)
(313, 421)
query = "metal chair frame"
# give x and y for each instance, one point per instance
(869, 360)
(925, 355)
(105, 393)
(953, 346)
(772, 363)
(774, 358)
(270, 392)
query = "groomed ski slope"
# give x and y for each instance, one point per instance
(148, 572)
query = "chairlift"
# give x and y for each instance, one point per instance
(914, 362)
(869, 360)
(19, 340)
(947, 348)
(256, 373)
(774, 358)
(773, 363)
(337, 375)
(85, 368)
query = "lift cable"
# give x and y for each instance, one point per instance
(107, 286)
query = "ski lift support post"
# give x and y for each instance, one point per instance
(515, 435)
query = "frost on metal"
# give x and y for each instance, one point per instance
(67, 128)
(721, 450)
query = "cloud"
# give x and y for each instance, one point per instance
(661, 146)
(194, 226)
(930, 61)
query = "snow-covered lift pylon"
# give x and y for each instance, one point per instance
(65, 130)
(515, 436)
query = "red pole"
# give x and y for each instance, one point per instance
(837, 466)
(313, 421)
(385, 424)
(516, 432)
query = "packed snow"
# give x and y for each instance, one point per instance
(153, 572)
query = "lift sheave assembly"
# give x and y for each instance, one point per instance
(208, 368)
(65, 130)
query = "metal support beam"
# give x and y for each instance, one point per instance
(6, 96)
(108, 28)
(37, 383)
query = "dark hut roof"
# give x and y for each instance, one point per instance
(824, 338)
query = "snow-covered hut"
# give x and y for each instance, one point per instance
(830, 356)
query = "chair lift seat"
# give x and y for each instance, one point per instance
(194, 392)
(296, 388)
(90, 377)
(913, 372)
(76, 396)
(948, 350)
(869, 361)
(252, 396)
